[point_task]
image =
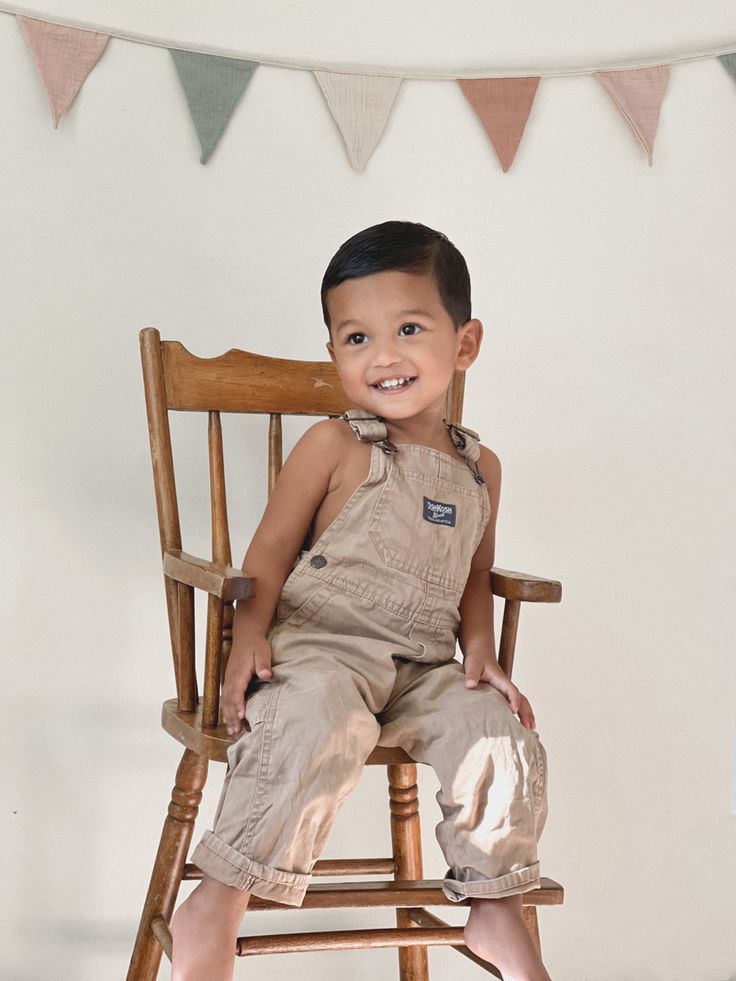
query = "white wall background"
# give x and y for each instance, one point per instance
(605, 385)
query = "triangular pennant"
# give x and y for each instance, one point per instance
(503, 106)
(212, 86)
(638, 93)
(360, 105)
(729, 63)
(64, 57)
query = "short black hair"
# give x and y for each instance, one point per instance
(407, 246)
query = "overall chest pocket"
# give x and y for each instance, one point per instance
(427, 527)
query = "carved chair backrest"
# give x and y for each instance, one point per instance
(239, 382)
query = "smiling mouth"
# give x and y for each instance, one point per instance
(394, 384)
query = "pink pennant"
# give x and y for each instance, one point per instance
(638, 93)
(64, 57)
(503, 106)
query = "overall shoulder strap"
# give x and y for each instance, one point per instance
(369, 428)
(467, 442)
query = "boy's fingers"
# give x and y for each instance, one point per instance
(473, 670)
(263, 665)
(526, 714)
(229, 714)
(510, 693)
(233, 705)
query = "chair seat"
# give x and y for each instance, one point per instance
(213, 743)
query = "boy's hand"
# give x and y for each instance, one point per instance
(253, 656)
(479, 667)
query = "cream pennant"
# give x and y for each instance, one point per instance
(503, 106)
(638, 95)
(212, 86)
(729, 63)
(360, 105)
(64, 57)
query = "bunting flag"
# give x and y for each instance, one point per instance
(729, 63)
(212, 86)
(214, 83)
(638, 93)
(64, 57)
(503, 106)
(360, 105)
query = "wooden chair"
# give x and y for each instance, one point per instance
(241, 382)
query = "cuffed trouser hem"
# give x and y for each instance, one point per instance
(222, 862)
(522, 880)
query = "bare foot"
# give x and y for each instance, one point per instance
(496, 932)
(204, 930)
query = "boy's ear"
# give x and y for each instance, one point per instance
(330, 350)
(470, 338)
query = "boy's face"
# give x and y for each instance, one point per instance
(392, 325)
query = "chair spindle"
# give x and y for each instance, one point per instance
(186, 673)
(507, 643)
(274, 449)
(218, 612)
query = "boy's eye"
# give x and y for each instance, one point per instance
(357, 333)
(413, 329)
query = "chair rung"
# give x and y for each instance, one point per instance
(286, 943)
(162, 933)
(396, 893)
(354, 866)
(327, 866)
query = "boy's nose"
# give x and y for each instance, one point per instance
(385, 354)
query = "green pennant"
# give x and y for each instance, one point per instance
(212, 86)
(729, 63)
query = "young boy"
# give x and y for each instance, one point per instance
(374, 551)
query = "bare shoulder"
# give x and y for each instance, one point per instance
(490, 466)
(325, 438)
(307, 477)
(328, 438)
(323, 449)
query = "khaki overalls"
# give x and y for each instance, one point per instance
(363, 653)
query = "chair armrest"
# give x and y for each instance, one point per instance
(521, 586)
(219, 580)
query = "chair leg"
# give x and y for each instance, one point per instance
(169, 865)
(529, 914)
(407, 851)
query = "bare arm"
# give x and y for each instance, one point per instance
(475, 635)
(299, 489)
(476, 606)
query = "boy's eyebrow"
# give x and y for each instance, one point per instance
(401, 313)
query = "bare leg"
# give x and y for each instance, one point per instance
(496, 932)
(204, 930)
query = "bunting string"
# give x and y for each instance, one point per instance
(360, 101)
(306, 64)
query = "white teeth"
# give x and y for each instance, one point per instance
(392, 383)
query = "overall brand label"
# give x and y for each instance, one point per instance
(439, 513)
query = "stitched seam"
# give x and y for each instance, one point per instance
(307, 609)
(445, 483)
(389, 557)
(263, 763)
(488, 887)
(346, 587)
(540, 781)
